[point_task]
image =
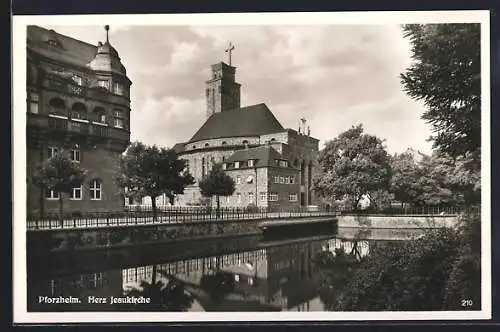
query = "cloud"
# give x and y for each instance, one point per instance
(333, 75)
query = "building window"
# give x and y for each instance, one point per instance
(96, 190)
(224, 166)
(263, 196)
(251, 163)
(238, 198)
(33, 103)
(273, 197)
(76, 193)
(103, 84)
(51, 151)
(292, 179)
(75, 155)
(118, 119)
(250, 197)
(118, 123)
(238, 179)
(236, 164)
(224, 143)
(51, 194)
(77, 79)
(282, 179)
(203, 166)
(292, 197)
(194, 146)
(276, 179)
(250, 281)
(118, 89)
(207, 145)
(283, 163)
(236, 277)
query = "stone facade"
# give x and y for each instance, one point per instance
(77, 99)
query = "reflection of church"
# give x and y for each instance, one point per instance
(280, 276)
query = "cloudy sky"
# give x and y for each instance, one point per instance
(335, 76)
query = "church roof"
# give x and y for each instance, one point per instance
(179, 147)
(264, 156)
(252, 120)
(59, 47)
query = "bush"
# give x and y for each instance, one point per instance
(252, 208)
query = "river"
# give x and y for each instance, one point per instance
(241, 274)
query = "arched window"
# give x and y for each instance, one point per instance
(245, 142)
(78, 111)
(224, 143)
(57, 106)
(100, 114)
(273, 139)
(207, 145)
(96, 190)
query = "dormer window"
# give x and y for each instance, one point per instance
(282, 163)
(236, 164)
(224, 166)
(251, 163)
(54, 43)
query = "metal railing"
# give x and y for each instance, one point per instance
(418, 211)
(196, 214)
(174, 215)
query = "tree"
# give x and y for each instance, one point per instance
(217, 183)
(354, 164)
(405, 176)
(152, 171)
(446, 76)
(60, 175)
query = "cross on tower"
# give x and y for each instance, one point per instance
(229, 51)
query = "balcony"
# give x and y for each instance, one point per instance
(87, 92)
(85, 127)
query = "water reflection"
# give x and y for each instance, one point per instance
(278, 276)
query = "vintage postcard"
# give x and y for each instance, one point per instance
(281, 167)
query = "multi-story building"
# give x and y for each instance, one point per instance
(271, 165)
(78, 101)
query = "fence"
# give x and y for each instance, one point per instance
(174, 215)
(166, 216)
(421, 210)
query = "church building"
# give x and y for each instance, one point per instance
(271, 165)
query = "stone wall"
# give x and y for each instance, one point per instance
(393, 222)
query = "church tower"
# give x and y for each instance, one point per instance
(222, 92)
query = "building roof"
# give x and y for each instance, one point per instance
(179, 147)
(72, 51)
(63, 48)
(252, 120)
(264, 156)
